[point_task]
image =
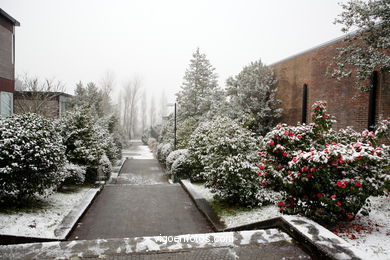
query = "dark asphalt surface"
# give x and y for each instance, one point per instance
(141, 202)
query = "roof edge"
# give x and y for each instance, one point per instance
(9, 17)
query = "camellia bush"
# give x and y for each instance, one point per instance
(226, 152)
(326, 175)
(31, 157)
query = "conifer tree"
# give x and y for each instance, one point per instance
(198, 89)
(252, 98)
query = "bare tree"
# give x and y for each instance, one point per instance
(130, 96)
(144, 111)
(107, 83)
(33, 96)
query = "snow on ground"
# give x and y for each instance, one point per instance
(41, 222)
(370, 233)
(139, 152)
(241, 217)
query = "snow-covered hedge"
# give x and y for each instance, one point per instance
(84, 144)
(226, 151)
(172, 157)
(327, 175)
(73, 174)
(106, 167)
(163, 150)
(31, 156)
(181, 167)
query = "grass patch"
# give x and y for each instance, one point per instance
(29, 205)
(224, 209)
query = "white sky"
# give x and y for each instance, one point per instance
(73, 40)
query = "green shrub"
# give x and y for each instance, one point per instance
(31, 157)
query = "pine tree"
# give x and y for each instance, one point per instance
(198, 89)
(252, 98)
(368, 47)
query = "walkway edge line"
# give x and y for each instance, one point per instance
(70, 221)
(203, 206)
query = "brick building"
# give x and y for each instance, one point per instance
(7, 62)
(49, 104)
(302, 80)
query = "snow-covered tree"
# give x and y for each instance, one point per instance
(368, 47)
(89, 96)
(31, 157)
(198, 89)
(252, 98)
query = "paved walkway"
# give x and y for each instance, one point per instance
(140, 202)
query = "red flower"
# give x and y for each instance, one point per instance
(299, 136)
(333, 196)
(313, 169)
(358, 184)
(342, 184)
(280, 203)
(319, 194)
(350, 217)
(261, 166)
(285, 154)
(258, 173)
(318, 108)
(309, 175)
(271, 142)
(264, 183)
(291, 134)
(326, 116)
(280, 166)
(286, 133)
(305, 196)
(338, 203)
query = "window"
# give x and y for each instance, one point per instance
(304, 104)
(6, 103)
(372, 101)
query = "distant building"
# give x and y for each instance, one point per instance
(302, 80)
(49, 104)
(7, 62)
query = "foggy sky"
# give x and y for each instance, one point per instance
(73, 40)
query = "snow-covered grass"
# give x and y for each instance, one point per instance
(367, 233)
(237, 216)
(42, 220)
(370, 233)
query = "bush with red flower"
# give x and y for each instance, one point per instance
(326, 175)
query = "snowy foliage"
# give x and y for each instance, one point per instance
(252, 98)
(173, 156)
(31, 156)
(224, 150)
(367, 49)
(82, 138)
(199, 88)
(163, 150)
(184, 131)
(181, 167)
(106, 167)
(326, 175)
(73, 174)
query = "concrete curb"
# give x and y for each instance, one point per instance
(203, 206)
(70, 221)
(316, 239)
(65, 227)
(101, 248)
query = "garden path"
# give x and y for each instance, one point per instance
(140, 202)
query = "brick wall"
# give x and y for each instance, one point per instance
(48, 108)
(345, 102)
